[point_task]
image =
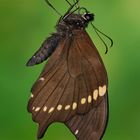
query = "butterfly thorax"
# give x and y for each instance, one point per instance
(66, 27)
(74, 22)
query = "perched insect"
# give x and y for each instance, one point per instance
(72, 87)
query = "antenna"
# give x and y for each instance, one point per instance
(97, 32)
(68, 11)
(68, 2)
(77, 6)
(47, 1)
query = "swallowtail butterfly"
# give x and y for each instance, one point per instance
(73, 85)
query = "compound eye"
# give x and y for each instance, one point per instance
(89, 17)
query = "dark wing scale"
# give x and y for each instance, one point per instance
(55, 57)
(91, 54)
(83, 94)
(53, 90)
(74, 60)
(51, 64)
(46, 118)
(51, 77)
(49, 71)
(81, 69)
(66, 102)
(85, 69)
(90, 126)
(73, 72)
(89, 83)
(50, 91)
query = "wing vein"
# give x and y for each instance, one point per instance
(51, 93)
(59, 99)
(89, 121)
(85, 86)
(72, 102)
(43, 86)
(89, 63)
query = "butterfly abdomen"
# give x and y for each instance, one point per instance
(47, 48)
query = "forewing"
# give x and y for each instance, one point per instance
(90, 53)
(90, 125)
(52, 94)
(72, 84)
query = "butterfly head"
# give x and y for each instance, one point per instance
(78, 21)
(88, 17)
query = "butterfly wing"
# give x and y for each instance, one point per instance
(71, 86)
(92, 124)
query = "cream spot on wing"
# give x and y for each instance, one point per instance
(83, 101)
(67, 107)
(76, 132)
(74, 106)
(59, 107)
(42, 79)
(45, 109)
(102, 90)
(32, 95)
(95, 94)
(33, 108)
(89, 99)
(37, 109)
(51, 110)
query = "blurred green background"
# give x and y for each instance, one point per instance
(25, 24)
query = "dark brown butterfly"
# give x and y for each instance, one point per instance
(72, 87)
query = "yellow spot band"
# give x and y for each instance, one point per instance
(83, 101)
(67, 107)
(51, 110)
(74, 106)
(95, 94)
(59, 107)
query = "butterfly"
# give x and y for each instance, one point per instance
(73, 86)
